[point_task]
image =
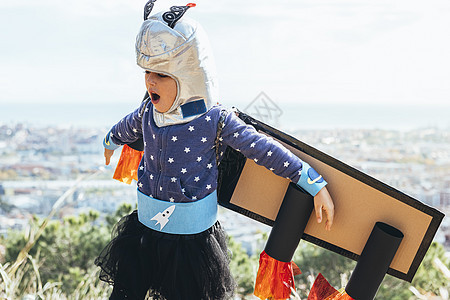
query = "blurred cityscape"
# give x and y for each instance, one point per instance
(38, 164)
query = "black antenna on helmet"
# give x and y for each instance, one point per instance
(175, 13)
(148, 8)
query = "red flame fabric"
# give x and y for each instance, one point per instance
(126, 169)
(322, 290)
(275, 278)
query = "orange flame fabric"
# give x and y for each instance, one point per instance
(322, 290)
(275, 278)
(126, 169)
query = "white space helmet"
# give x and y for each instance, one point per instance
(178, 47)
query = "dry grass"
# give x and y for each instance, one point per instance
(21, 279)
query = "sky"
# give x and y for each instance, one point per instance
(296, 52)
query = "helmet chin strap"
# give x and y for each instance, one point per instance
(193, 108)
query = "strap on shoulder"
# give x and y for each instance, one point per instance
(220, 125)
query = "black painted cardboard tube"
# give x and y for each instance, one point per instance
(290, 224)
(138, 145)
(374, 261)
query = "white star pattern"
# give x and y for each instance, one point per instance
(146, 109)
(111, 135)
(151, 196)
(195, 160)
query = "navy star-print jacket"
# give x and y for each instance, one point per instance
(179, 162)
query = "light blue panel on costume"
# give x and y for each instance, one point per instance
(177, 218)
(108, 143)
(310, 180)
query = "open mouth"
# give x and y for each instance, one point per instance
(155, 97)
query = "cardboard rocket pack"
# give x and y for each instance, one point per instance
(383, 229)
(360, 202)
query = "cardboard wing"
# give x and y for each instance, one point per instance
(360, 202)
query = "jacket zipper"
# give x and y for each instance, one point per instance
(160, 162)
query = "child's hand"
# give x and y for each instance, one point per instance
(323, 201)
(108, 153)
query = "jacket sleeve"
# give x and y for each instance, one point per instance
(267, 152)
(126, 131)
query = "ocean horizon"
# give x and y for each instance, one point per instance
(293, 116)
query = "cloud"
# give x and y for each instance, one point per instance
(293, 50)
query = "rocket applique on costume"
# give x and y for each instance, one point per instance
(163, 217)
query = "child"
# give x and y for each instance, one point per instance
(173, 247)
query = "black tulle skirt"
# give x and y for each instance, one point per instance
(142, 262)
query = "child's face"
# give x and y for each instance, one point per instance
(162, 90)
